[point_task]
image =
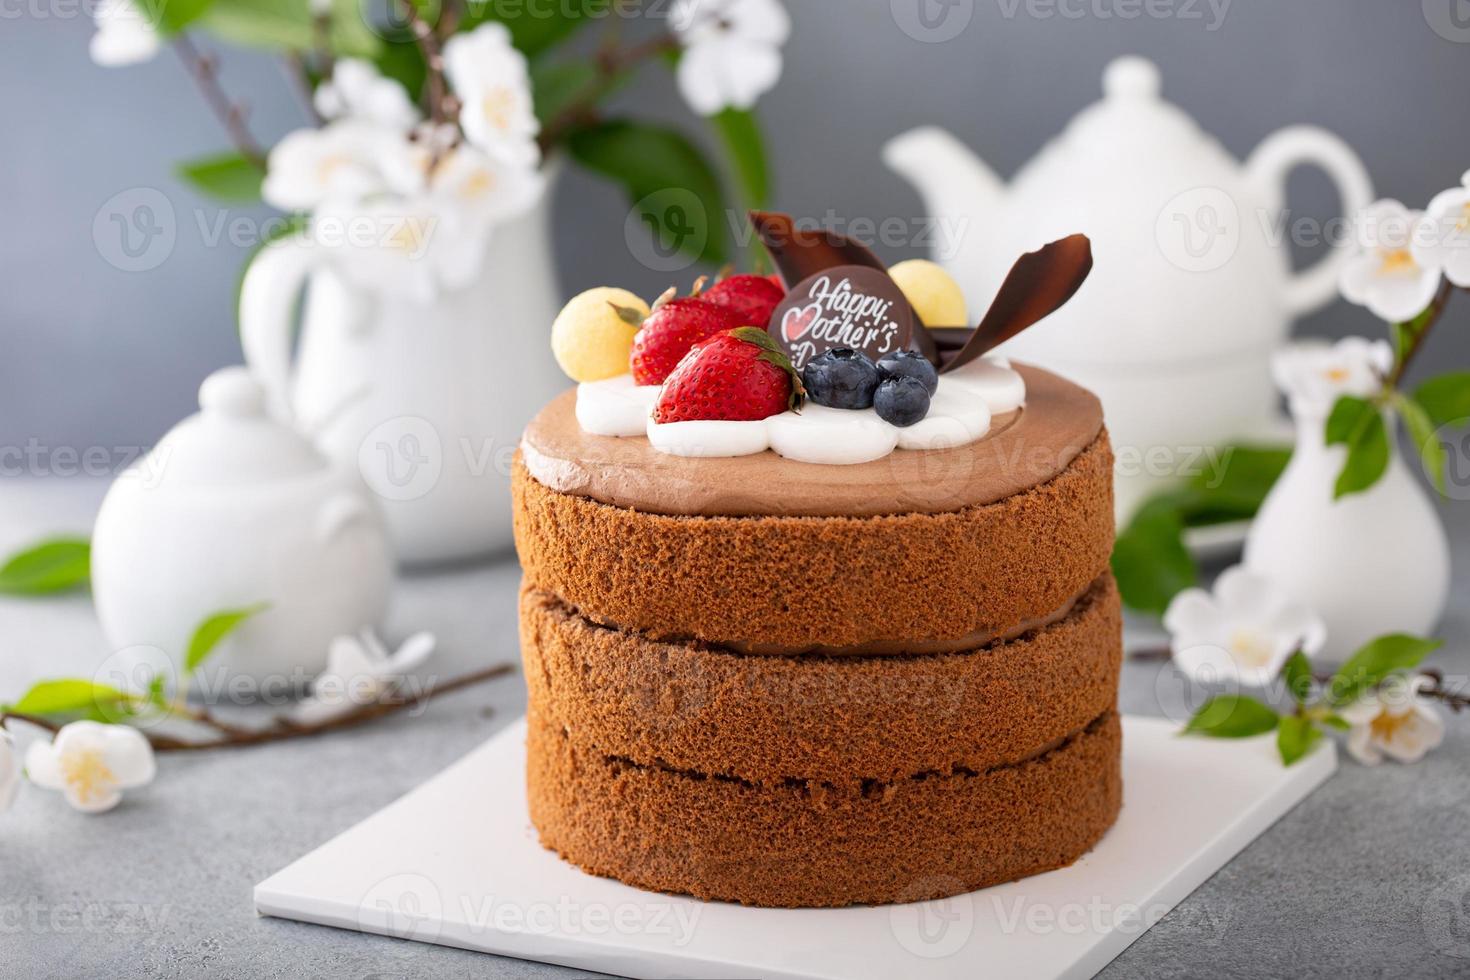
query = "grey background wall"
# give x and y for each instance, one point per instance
(94, 356)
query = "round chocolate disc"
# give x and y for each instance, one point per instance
(845, 306)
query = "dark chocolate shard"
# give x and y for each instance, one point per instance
(1038, 285)
(800, 253)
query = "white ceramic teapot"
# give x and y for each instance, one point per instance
(1192, 288)
(231, 509)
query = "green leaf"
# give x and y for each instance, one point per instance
(1407, 334)
(350, 34)
(66, 696)
(213, 630)
(655, 165)
(534, 26)
(288, 25)
(1150, 561)
(1358, 424)
(740, 134)
(229, 177)
(1341, 724)
(172, 16)
(1232, 716)
(1379, 658)
(555, 86)
(1422, 432)
(1297, 676)
(1295, 738)
(55, 565)
(1236, 488)
(269, 24)
(1446, 399)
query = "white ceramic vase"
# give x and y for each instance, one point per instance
(1370, 563)
(426, 399)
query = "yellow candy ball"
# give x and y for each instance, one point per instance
(590, 340)
(932, 292)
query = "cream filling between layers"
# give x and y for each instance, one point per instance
(974, 640)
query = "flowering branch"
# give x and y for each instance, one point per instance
(443, 105)
(282, 728)
(204, 69)
(1454, 700)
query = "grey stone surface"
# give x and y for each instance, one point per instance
(1367, 878)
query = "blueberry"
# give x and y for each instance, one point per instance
(841, 378)
(909, 364)
(901, 401)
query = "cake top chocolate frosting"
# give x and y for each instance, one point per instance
(1023, 449)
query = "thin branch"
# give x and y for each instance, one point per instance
(611, 62)
(36, 720)
(295, 66)
(1456, 701)
(205, 72)
(443, 106)
(282, 728)
(1435, 311)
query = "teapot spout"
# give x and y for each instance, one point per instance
(954, 183)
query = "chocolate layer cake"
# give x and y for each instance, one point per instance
(784, 684)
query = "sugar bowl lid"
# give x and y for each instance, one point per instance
(234, 441)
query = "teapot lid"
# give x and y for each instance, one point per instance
(1133, 121)
(234, 441)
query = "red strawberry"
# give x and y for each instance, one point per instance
(738, 376)
(755, 298)
(672, 328)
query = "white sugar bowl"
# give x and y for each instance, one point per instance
(230, 510)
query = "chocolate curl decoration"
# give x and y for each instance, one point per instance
(799, 254)
(1038, 285)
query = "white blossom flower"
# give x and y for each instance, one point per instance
(1442, 240)
(342, 161)
(433, 239)
(92, 763)
(9, 771)
(732, 51)
(357, 90)
(1313, 374)
(1245, 631)
(493, 83)
(125, 35)
(360, 670)
(1394, 721)
(1385, 276)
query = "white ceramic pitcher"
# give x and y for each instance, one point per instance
(427, 399)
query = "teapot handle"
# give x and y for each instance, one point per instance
(268, 297)
(1268, 166)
